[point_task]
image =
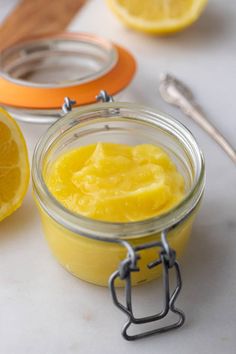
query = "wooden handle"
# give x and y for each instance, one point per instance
(31, 17)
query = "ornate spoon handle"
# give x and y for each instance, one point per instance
(176, 93)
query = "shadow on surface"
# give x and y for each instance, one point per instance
(206, 263)
(22, 220)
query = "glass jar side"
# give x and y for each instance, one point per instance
(122, 123)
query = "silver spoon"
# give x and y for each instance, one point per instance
(176, 93)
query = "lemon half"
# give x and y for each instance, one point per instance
(157, 16)
(14, 165)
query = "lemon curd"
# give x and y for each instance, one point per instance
(116, 182)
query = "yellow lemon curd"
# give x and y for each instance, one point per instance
(114, 183)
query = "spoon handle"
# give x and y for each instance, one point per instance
(194, 112)
(175, 92)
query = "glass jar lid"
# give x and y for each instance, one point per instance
(37, 73)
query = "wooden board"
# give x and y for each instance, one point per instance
(37, 17)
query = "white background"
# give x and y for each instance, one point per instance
(43, 309)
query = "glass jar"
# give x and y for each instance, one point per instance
(120, 253)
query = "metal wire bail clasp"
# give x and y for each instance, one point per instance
(67, 105)
(166, 259)
(103, 96)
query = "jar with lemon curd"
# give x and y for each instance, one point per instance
(115, 252)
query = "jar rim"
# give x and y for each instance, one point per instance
(29, 49)
(111, 231)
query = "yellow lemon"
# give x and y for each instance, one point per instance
(14, 165)
(157, 16)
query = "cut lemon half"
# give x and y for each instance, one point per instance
(14, 165)
(157, 16)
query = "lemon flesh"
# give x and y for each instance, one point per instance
(157, 16)
(14, 165)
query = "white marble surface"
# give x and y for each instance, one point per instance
(44, 310)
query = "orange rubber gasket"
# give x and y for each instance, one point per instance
(19, 96)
